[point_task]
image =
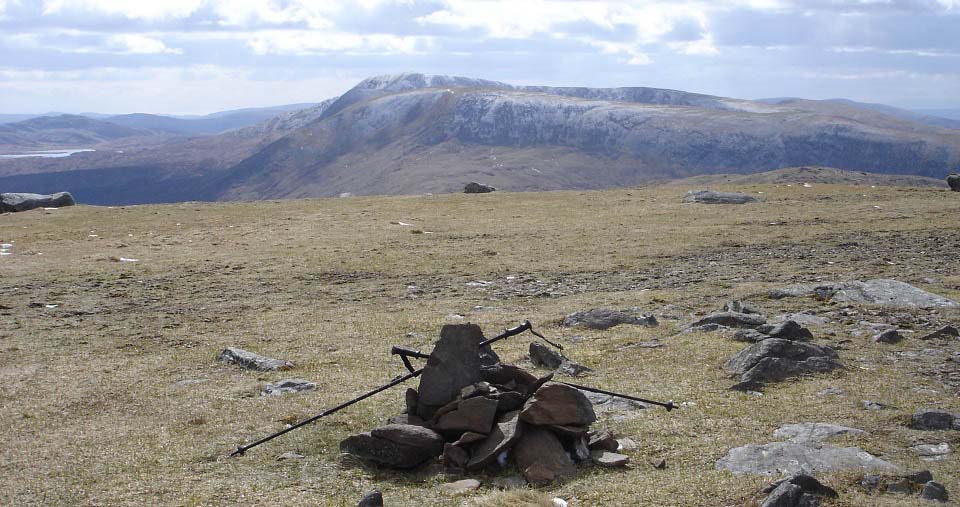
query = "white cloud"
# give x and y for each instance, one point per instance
(139, 44)
(82, 42)
(309, 42)
(132, 9)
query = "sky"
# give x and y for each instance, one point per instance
(201, 56)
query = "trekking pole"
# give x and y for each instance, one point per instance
(670, 405)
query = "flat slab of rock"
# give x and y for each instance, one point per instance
(475, 415)
(933, 420)
(14, 202)
(814, 432)
(541, 457)
(944, 332)
(609, 459)
(395, 445)
(453, 365)
(776, 359)
(287, 386)
(932, 452)
(793, 457)
(507, 430)
(251, 361)
(605, 318)
(889, 336)
(714, 197)
(880, 291)
(459, 487)
(558, 404)
(730, 319)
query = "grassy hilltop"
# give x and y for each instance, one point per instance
(110, 393)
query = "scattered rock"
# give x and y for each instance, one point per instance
(558, 404)
(807, 483)
(932, 420)
(779, 457)
(14, 202)
(786, 494)
(252, 361)
(943, 333)
(453, 365)
(604, 318)
(477, 188)
(286, 386)
(804, 319)
(881, 292)
(749, 336)
(371, 499)
(459, 487)
(572, 369)
(738, 306)
(290, 455)
(832, 391)
(619, 408)
(507, 430)
(814, 432)
(541, 457)
(609, 459)
(874, 405)
(713, 197)
(775, 359)
(602, 441)
(789, 330)
(544, 356)
(888, 336)
(933, 490)
(395, 445)
(659, 464)
(730, 319)
(932, 452)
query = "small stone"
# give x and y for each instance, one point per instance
(609, 459)
(626, 445)
(572, 369)
(874, 405)
(832, 391)
(888, 336)
(454, 456)
(934, 491)
(602, 440)
(932, 420)
(371, 499)
(785, 495)
(942, 333)
(605, 318)
(932, 452)
(789, 330)
(731, 319)
(477, 188)
(740, 307)
(659, 464)
(251, 361)
(286, 386)
(290, 455)
(459, 487)
(902, 486)
(541, 355)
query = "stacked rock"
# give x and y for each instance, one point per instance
(479, 416)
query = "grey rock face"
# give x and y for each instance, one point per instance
(953, 181)
(287, 386)
(712, 197)
(730, 319)
(453, 365)
(889, 336)
(778, 457)
(477, 188)
(814, 432)
(880, 292)
(775, 359)
(558, 404)
(395, 445)
(605, 318)
(252, 361)
(807, 483)
(541, 457)
(749, 336)
(933, 420)
(13, 202)
(785, 495)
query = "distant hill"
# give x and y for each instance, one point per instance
(415, 133)
(953, 114)
(213, 123)
(64, 130)
(929, 117)
(810, 175)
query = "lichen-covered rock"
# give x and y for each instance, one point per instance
(605, 318)
(252, 361)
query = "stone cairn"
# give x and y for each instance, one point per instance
(477, 413)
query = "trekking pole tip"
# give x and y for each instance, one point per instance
(239, 452)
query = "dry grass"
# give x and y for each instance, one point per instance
(114, 397)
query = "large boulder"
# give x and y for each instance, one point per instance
(453, 365)
(12, 202)
(776, 359)
(953, 180)
(714, 197)
(395, 445)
